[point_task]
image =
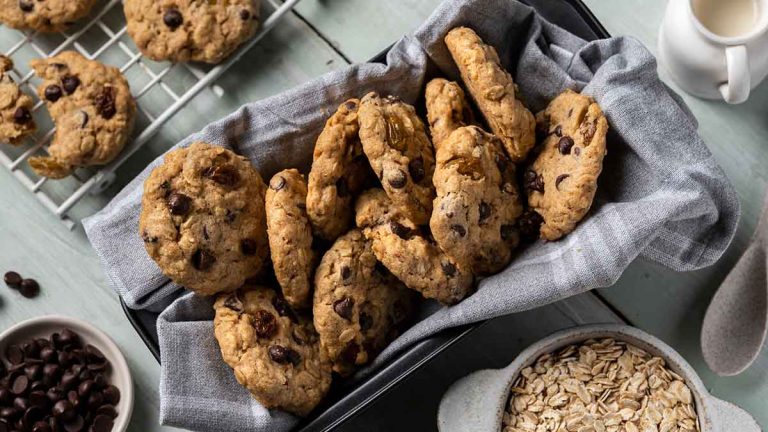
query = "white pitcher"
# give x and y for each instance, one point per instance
(716, 49)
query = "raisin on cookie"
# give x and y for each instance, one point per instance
(197, 30)
(359, 307)
(562, 181)
(273, 351)
(339, 171)
(400, 153)
(16, 120)
(477, 204)
(493, 91)
(202, 218)
(409, 252)
(290, 236)
(447, 109)
(44, 16)
(92, 108)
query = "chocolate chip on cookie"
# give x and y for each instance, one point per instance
(15, 107)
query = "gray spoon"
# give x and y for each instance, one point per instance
(736, 321)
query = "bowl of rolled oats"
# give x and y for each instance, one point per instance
(596, 378)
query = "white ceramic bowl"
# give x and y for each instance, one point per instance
(119, 374)
(477, 402)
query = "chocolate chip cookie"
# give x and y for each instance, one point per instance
(202, 218)
(340, 170)
(397, 146)
(197, 30)
(92, 107)
(447, 109)
(359, 306)
(477, 204)
(409, 252)
(273, 351)
(16, 120)
(44, 16)
(290, 236)
(562, 181)
(493, 91)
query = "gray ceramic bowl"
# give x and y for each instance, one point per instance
(477, 402)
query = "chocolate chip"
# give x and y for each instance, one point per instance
(179, 204)
(224, 175)
(448, 268)
(277, 183)
(26, 5)
(85, 388)
(400, 230)
(533, 181)
(366, 321)
(508, 232)
(107, 410)
(416, 169)
(202, 260)
(33, 371)
(283, 308)
(21, 404)
(565, 144)
(68, 337)
(75, 425)
(342, 190)
(485, 211)
(55, 394)
(502, 162)
(12, 279)
(245, 14)
(102, 423)
(29, 288)
(111, 395)
(398, 179)
(233, 302)
(349, 355)
(344, 307)
(172, 18)
(559, 131)
(20, 385)
(559, 179)
(14, 354)
(22, 116)
(33, 415)
(282, 355)
(105, 103)
(70, 83)
(6, 397)
(529, 224)
(51, 370)
(41, 426)
(346, 272)
(248, 247)
(53, 93)
(459, 230)
(264, 323)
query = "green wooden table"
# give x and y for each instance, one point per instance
(324, 35)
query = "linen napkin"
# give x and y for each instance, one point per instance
(661, 194)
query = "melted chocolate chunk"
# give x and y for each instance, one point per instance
(344, 307)
(533, 181)
(416, 169)
(179, 204)
(400, 230)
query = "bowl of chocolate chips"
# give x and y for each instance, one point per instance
(62, 374)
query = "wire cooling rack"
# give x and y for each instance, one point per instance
(103, 36)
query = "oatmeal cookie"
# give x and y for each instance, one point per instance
(477, 204)
(493, 91)
(447, 109)
(274, 352)
(202, 218)
(92, 107)
(197, 30)
(359, 306)
(16, 120)
(562, 181)
(409, 252)
(340, 170)
(397, 146)
(44, 16)
(290, 236)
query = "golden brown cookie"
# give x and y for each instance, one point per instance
(16, 120)
(477, 204)
(562, 181)
(202, 218)
(493, 91)
(359, 306)
(340, 170)
(273, 351)
(408, 251)
(92, 107)
(290, 236)
(43, 15)
(447, 109)
(400, 153)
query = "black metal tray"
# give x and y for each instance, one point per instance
(351, 397)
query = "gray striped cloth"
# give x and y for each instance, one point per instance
(661, 196)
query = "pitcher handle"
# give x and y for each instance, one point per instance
(736, 90)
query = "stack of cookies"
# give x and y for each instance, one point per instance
(316, 276)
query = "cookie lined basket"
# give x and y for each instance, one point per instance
(161, 90)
